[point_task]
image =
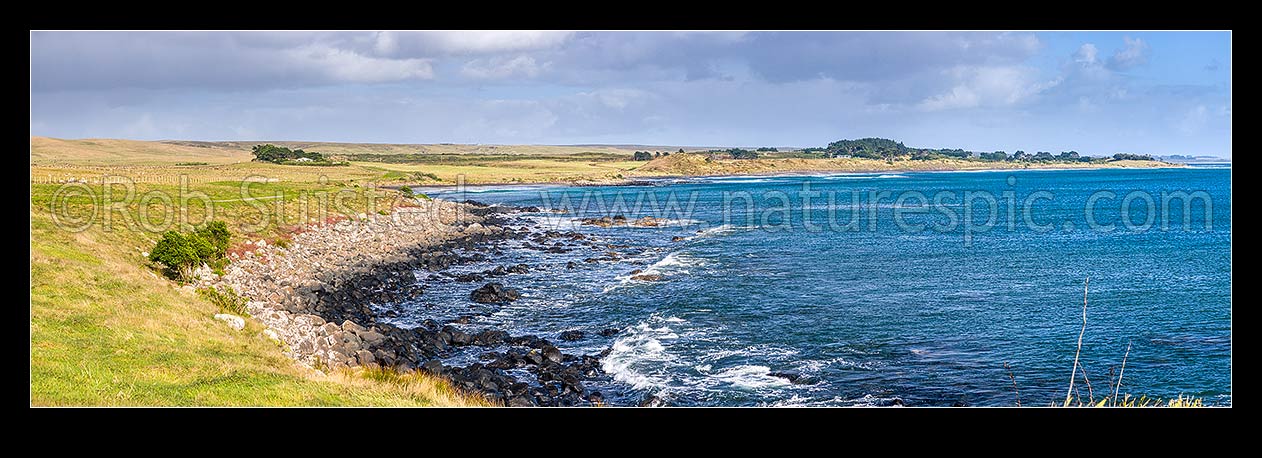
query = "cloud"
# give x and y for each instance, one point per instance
(1134, 54)
(340, 65)
(500, 67)
(874, 56)
(960, 89)
(232, 61)
(781, 57)
(988, 86)
(1086, 54)
(1086, 68)
(462, 42)
(249, 60)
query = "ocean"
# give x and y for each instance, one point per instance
(878, 289)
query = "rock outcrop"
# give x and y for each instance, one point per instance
(314, 298)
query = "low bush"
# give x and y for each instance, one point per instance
(180, 253)
(425, 176)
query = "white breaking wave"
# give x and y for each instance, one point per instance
(483, 189)
(740, 180)
(862, 177)
(640, 347)
(866, 400)
(750, 377)
(723, 229)
(642, 358)
(671, 222)
(558, 221)
(674, 263)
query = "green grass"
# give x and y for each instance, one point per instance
(107, 330)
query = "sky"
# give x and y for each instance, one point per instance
(1091, 92)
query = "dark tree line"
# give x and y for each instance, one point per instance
(648, 156)
(882, 148)
(889, 150)
(280, 154)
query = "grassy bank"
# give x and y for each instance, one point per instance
(106, 330)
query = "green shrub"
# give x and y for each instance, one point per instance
(180, 253)
(406, 190)
(217, 235)
(177, 252)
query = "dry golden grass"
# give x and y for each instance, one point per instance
(171, 174)
(46, 150)
(54, 160)
(336, 148)
(415, 384)
(516, 171)
(698, 164)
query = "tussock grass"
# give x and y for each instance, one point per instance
(228, 300)
(414, 383)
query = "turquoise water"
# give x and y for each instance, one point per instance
(879, 312)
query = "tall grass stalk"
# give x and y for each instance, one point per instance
(1120, 372)
(1077, 353)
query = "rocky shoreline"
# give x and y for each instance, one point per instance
(314, 297)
